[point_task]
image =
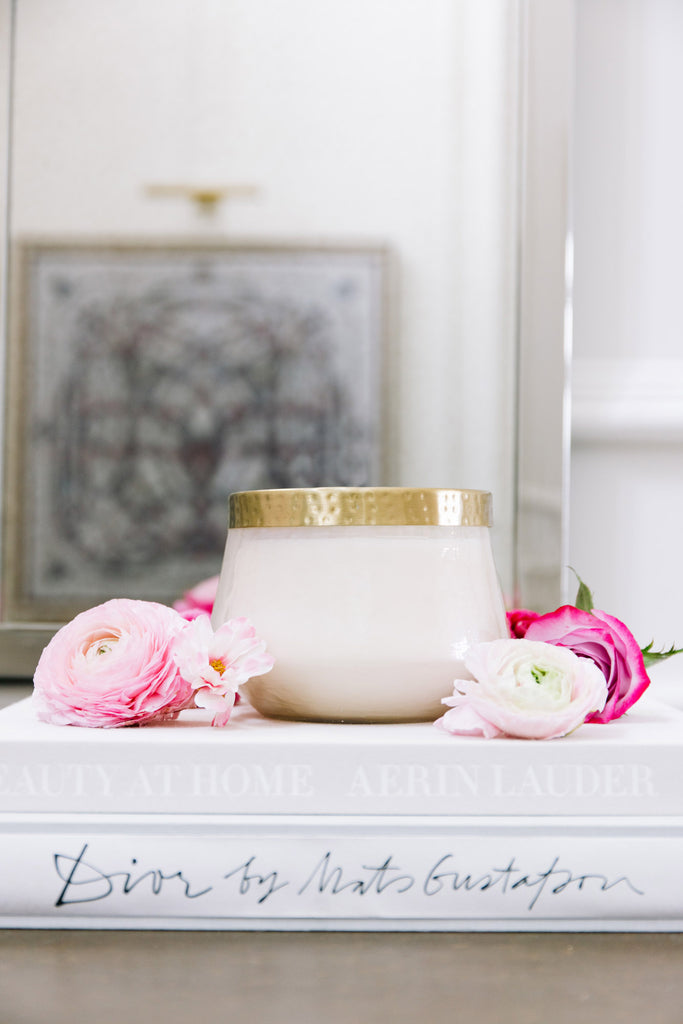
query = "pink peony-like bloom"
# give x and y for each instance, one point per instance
(199, 600)
(216, 664)
(524, 689)
(608, 643)
(112, 666)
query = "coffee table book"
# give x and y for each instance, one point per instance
(288, 825)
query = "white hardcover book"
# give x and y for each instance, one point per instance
(341, 872)
(260, 766)
(293, 825)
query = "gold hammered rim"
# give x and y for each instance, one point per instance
(359, 506)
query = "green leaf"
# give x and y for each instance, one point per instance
(584, 598)
(651, 657)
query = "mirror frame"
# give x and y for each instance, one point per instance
(545, 309)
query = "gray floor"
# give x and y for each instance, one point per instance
(53, 977)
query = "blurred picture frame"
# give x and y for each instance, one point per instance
(147, 380)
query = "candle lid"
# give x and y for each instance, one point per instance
(359, 506)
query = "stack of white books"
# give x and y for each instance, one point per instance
(292, 825)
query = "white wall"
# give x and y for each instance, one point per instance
(385, 120)
(627, 464)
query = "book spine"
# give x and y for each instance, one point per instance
(328, 872)
(342, 779)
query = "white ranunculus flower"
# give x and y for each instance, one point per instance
(524, 688)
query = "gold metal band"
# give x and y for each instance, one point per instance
(359, 506)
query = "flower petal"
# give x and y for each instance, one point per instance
(216, 664)
(112, 666)
(199, 600)
(526, 689)
(608, 643)
(464, 720)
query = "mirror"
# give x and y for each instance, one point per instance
(358, 207)
(627, 430)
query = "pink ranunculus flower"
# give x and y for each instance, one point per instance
(607, 642)
(216, 664)
(112, 666)
(524, 689)
(199, 600)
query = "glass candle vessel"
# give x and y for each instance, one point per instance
(367, 598)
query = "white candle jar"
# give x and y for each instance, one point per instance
(367, 598)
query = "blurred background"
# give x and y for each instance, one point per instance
(457, 222)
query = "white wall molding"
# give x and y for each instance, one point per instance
(627, 401)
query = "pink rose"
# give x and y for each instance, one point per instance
(524, 689)
(112, 666)
(608, 643)
(216, 664)
(199, 600)
(519, 621)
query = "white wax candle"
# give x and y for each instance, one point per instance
(366, 623)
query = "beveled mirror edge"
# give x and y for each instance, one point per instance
(545, 309)
(7, 18)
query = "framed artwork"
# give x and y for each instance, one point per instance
(146, 382)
